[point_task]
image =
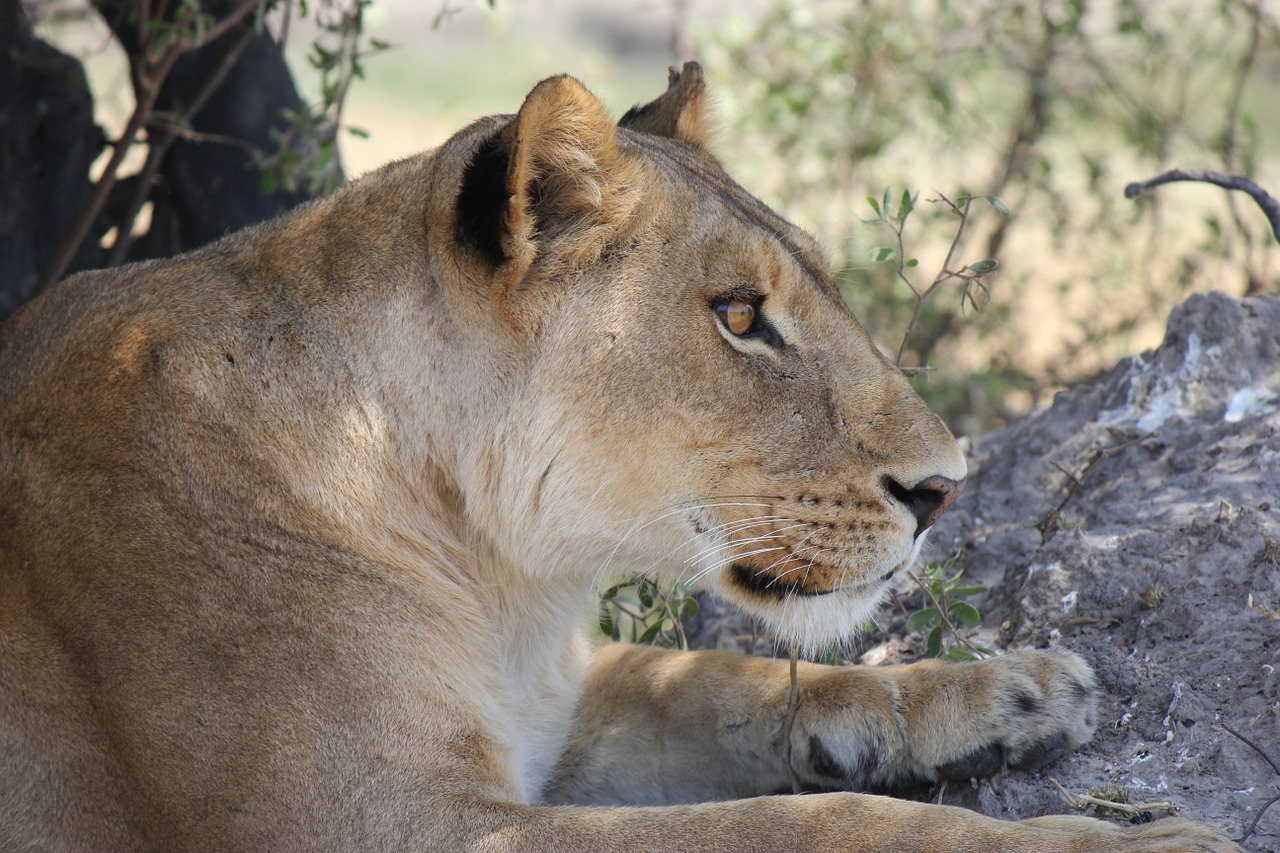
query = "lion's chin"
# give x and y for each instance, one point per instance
(810, 623)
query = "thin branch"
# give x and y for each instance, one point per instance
(1238, 83)
(168, 123)
(1256, 748)
(681, 637)
(148, 91)
(793, 705)
(1257, 819)
(218, 29)
(1270, 206)
(1048, 525)
(944, 274)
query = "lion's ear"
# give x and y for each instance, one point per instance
(682, 112)
(566, 188)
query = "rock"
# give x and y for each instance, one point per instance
(1150, 564)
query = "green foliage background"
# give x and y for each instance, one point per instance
(1052, 105)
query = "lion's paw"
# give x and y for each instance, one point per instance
(875, 730)
(1020, 710)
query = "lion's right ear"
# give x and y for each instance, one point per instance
(682, 112)
(552, 185)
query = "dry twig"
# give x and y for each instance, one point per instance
(793, 704)
(1269, 803)
(1081, 802)
(1049, 524)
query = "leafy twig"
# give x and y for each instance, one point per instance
(943, 608)
(649, 611)
(161, 48)
(971, 274)
(159, 146)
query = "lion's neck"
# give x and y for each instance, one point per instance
(539, 651)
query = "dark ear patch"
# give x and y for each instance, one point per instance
(482, 200)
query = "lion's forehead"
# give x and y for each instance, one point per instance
(699, 171)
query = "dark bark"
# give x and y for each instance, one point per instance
(206, 184)
(47, 143)
(1268, 203)
(207, 189)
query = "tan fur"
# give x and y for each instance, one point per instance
(298, 531)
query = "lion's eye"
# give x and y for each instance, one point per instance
(742, 317)
(738, 316)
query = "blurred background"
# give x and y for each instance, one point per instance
(1050, 106)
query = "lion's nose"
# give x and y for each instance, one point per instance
(927, 500)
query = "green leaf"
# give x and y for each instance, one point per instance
(933, 645)
(983, 650)
(646, 594)
(605, 622)
(911, 262)
(999, 205)
(690, 607)
(875, 205)
(921, 619)
(965, 612)
(983, 266)
(883, 253)
(967, 590)
(649, 633)
(358, 132)
(886, 201)
(961, 654)
(907, 205)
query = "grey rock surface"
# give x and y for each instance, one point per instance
(1149, 569)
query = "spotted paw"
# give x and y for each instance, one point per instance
(878, 728)
(1022, 710)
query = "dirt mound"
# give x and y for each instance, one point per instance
(1131, 521)
(1146, 563)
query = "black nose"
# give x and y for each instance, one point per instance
(927, 500)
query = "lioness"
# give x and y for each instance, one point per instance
(299, 529)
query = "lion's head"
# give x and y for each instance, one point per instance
(678, 386)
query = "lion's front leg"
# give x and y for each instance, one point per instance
(668, 727)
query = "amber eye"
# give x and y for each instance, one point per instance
(738, 316)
